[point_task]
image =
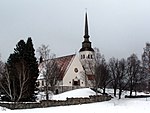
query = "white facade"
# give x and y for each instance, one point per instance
(75, 74)
(87, 59)
(86, 55)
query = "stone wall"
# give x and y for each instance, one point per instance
(51, 103)
(62, 89)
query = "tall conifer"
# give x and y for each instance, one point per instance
(33, 66)
(23, 71)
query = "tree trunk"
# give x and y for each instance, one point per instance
(47, 95)
(120, 92)
(115, 90)
(104, 89)
(131, 89)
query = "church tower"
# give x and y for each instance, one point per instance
(86, 53)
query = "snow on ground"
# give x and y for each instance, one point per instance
(84, 92)
(124, 105)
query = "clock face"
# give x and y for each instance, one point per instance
(75, 70)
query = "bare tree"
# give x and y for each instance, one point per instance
(102, 78)
(102, 75)
(113, 67)
(122, 76)
(2, 65)
(51, 69)
(98, 60)
(7, 84)
(51, 75)
(44, 52)
(118, 74)
(146, 64)
(134, 73)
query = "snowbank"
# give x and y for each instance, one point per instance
(84, 92)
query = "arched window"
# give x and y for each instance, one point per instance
(91, 56)
(88, 56)
(83, 56)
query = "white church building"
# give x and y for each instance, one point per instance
(76, 70)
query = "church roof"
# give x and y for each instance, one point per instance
(86, 49)
(63, 64)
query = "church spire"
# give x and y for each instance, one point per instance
(86, 44)
(86, 27)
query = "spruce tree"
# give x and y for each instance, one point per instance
(33, 66)
(14, 59)
(23, 71)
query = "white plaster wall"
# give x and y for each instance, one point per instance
(88, 63)
(71, 74)
(86, 53)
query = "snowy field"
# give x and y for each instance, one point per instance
(123, 105)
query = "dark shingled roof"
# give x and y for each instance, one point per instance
(63, 64)
(86, 49)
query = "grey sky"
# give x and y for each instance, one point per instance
(117, 27)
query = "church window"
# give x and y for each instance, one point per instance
(75, 70)
(88, 56)
(76, 82)
(83, 56)
(91, 56)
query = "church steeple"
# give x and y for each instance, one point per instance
(86, 27)
(86, 44)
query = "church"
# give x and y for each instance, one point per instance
(76, 70)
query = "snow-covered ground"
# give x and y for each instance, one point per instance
(84, 92)
(124, 105)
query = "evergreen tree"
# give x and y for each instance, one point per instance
(22, 71)
(12, 70)
(33, 66)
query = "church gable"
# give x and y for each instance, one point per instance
(63, 64)
(75, 74)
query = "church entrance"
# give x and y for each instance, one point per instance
(76, 82)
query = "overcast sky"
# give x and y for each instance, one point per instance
(117, 27)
